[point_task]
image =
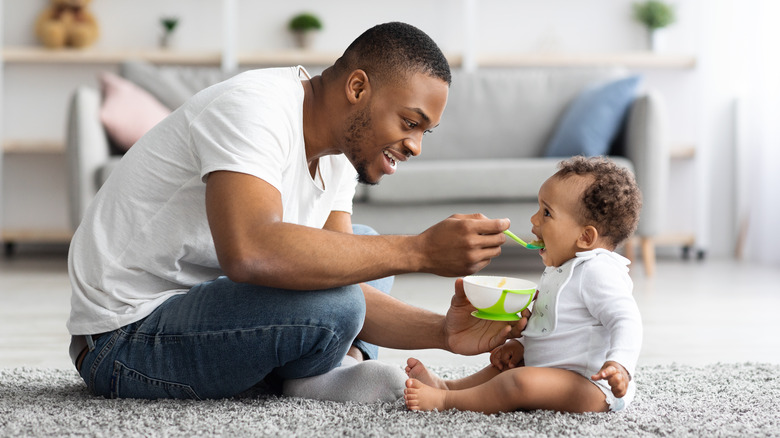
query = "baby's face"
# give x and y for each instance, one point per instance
(557, 221)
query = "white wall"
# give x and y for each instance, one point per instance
(697, 103)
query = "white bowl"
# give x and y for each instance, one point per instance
(498, 298)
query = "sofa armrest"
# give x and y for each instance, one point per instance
(86, 150)
(646, 146)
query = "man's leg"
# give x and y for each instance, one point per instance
(222, 338)
(371, 351)
(357, 381)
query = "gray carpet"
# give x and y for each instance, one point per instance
(739, 400)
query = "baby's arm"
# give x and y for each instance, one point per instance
(507, 356)
(608, 296)
(616, 375)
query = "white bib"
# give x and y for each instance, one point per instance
(544, 318)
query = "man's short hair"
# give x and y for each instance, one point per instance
(611, 202)
(392, 51)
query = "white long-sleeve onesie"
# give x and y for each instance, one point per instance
(585, 315)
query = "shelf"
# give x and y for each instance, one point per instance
(39, 55)
(33, 147)
(675, 239)
(683, 152)
(36, 236)
(626, 59)
(288, 57)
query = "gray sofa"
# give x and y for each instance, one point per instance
(486, 156)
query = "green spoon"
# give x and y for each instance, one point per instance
(521, 241)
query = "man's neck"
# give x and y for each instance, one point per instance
(316, 131)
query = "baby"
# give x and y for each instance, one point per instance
(578, 352)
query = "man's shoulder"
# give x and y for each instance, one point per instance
(266, 94)
(263, 77)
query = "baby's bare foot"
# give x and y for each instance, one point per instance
(416, 370)
(421, 397)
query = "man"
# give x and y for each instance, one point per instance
(220, 252)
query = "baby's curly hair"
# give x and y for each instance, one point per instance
(611, 202)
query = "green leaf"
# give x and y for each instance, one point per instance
(654, 14)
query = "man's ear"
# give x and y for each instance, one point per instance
(588, 237)
(357, 86)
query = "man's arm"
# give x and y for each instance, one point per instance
(254, 245)
(394, 324)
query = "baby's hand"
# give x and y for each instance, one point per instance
(615, 375)
(507, 356)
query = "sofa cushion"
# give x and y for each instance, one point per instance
(593, 119)
(507, 113)
(416, 218)
(462, 181)
(127, 111)
(171, 85)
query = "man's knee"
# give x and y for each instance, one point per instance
(352, 308)
(364, 230)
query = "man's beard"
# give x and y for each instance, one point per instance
(358, 125)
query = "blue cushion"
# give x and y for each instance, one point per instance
(592, 120)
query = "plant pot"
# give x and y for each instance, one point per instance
(166, 40)
(656, 40)
(169, 25)
(303, 39)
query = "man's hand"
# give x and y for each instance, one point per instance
(461, 244)
(615, 375)
(465, 334)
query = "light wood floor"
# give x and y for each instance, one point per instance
(694, 312)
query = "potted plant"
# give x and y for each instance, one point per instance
(655, 15)
(302, 26)
(169, 25)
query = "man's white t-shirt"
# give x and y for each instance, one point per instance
(145, 237)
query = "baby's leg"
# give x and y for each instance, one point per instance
(416, 370)
(523, 388)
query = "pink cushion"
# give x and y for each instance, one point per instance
(128, 111)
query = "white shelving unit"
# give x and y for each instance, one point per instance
(230, 60)
(90, 57)
(39, 55)
(34, 56)
(686, 240)
(94, 57)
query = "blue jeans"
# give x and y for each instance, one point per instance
(222, 338)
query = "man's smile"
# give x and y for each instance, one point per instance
(392, 158)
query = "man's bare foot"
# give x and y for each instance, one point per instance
(356, 353)
(421, 397)
(416, 370)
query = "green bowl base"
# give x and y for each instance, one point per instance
(496, 317)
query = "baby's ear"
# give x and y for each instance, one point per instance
(588, 238)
